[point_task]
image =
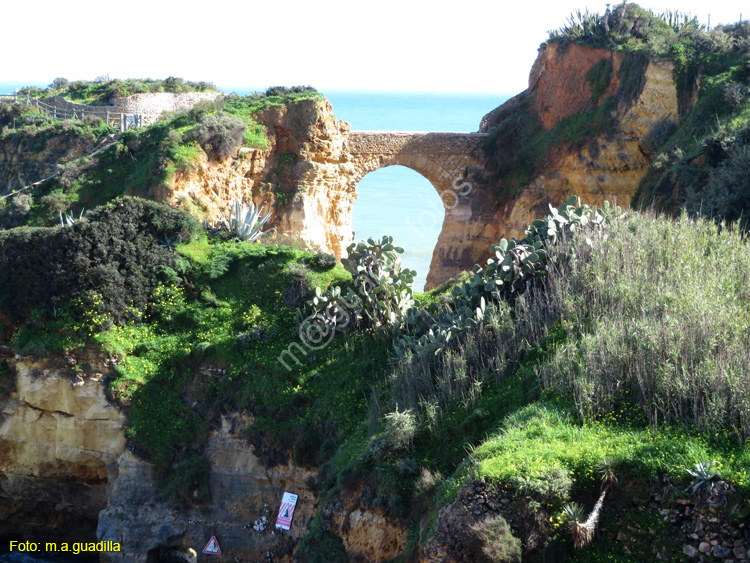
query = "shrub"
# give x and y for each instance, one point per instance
(649, 323)
(658, 135)
(322, 260)
(58, 84)
(15, 210)
(115, 254)
(221, 133)
(494, 542)
(188, 480)
(546, 487)
(320, 547)
(727, 192)
(400, 427)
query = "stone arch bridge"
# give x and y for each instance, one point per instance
(327, 177)
(443, 158)
(450, 161)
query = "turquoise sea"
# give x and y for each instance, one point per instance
(396, 200)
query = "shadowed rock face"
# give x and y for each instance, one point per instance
(57, 436)
(67, 475)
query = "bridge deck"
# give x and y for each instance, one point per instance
(410, 133)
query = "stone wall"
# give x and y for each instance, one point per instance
(161, 102)
(148, 104)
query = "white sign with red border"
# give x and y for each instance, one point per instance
(286, 511)
(212, 547)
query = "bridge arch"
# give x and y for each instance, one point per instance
(444, 159)
(438, 176)
(401, 202)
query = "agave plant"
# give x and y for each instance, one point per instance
(168, 242)
(704, 474)
(244, 222)
(68, 220)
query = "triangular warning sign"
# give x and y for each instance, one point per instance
(212, 546)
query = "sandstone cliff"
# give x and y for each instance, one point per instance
(309, 172)
(58, 435)
(606, 165)
(67, 474)
(302, 177)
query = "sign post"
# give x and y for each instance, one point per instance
(286, 511)
(212, 547)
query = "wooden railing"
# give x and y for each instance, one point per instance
(121, 121)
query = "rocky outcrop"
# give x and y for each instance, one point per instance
(303, 177)
(607, 166)
(58, 434)
(244, 499)
(67, 474)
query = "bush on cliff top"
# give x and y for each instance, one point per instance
(102, 90)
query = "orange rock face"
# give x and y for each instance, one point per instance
(558, 82)
(607, 166)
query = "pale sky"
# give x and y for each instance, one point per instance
(457, 46)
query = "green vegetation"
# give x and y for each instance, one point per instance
(140, 162)
(494, 542)
(587, 369)
(628, 27)
(101, 91)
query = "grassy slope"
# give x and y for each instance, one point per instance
(140, 161)
(525, 394)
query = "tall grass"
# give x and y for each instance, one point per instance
(650, 316)
(660, 310)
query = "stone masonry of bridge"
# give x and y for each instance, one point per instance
(442, 158)
(448, 161)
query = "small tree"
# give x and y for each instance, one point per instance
(58, 83)
(221, 133)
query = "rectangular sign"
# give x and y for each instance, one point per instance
(286, 512)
